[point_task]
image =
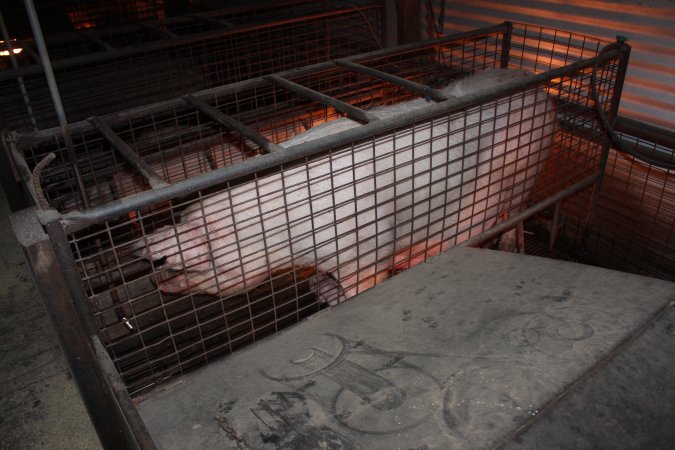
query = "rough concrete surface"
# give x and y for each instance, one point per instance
(456, 353)
(39, 404)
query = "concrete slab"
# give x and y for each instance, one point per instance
(39, 404)
(629, 403)
(454, 353)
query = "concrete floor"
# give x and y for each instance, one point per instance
(39, 404)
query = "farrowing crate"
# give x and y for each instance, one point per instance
(507, 153)
(99, 71)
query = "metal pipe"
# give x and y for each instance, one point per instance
(352, 111)
(15, 65)
(529, 212)
(127, 153)
(56, 97)
(426, 91)
(234, 125)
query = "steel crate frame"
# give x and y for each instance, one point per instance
(44, 234)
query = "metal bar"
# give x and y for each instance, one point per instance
(116, 385)
(645, 131)
(80, 219)
(210, 20)
(529, 212)
(506, 46)
(352, 111)
(426, 91)
(553, 227)
(56, 97)
(613, 112)
(234, 125)
(96, 40)
(161, 44)
(15, 66)
(114, 119)
(157, 30)
(45, 257)
(127, 153)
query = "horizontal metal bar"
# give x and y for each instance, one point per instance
(426, 91)
(79, 219)
(96, 40)
(233, 125)
(113, 119)
(164, 43)
(352, 111)
(209, 20)
(529, 212)
(127, 153)
(158, 30)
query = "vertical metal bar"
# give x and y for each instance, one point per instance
(54, 273)
(15, 65)
(506, 45)
(56, 97)
(553, 227)
(613, 112)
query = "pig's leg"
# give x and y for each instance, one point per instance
(327, 289)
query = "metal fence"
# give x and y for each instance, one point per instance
(213, 223)
(99, 71)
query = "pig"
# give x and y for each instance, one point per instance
(359, 215)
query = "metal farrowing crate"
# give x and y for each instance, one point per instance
(222, 216)
(99, 71)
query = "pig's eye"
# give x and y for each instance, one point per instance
(159, 262)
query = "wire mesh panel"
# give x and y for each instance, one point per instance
(110, 70)
(290, 202)
(634, 226)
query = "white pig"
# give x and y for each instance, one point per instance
(359, 214)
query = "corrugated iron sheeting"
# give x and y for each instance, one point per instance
(649, 94)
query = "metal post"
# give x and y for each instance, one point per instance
(15, 66)
(506, 46)
(51, 263)
(56, 97)
(604, 156)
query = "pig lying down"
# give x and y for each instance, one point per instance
(360, 214)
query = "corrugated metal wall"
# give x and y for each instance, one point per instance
(649, 94)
